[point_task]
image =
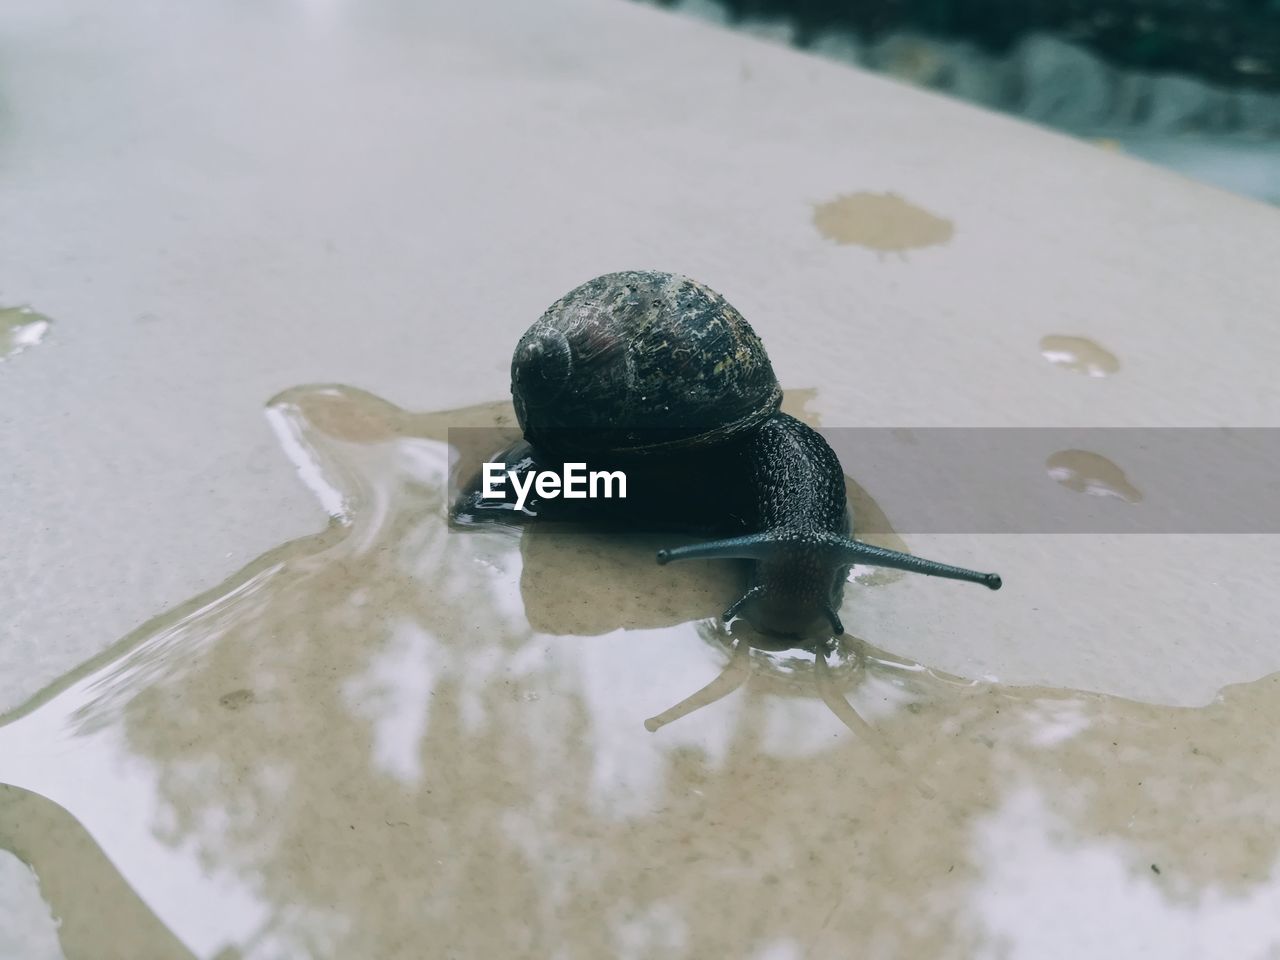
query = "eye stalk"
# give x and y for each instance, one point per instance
(786, 592)
(761, 546)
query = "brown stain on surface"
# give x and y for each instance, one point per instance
(237, 699)
(1086, 472)
(880, 221)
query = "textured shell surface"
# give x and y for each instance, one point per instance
(639, 362)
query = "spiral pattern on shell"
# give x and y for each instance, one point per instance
(640, 362)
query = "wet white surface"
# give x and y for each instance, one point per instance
(34, 934)
(362, 745)
(217, 203)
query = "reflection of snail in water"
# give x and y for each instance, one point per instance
(657, 375)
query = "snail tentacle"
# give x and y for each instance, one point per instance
(855, 551)
(738, 604)
(756, 546)
(759, 546)
(834, 617)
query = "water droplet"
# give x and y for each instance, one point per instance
(1091, 473)
(880, 221)
(1079, 354)
(20, 327)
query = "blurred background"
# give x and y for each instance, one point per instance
(1193, 85)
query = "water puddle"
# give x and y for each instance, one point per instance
(20, 328)
(1079, 354)
(393, 739)
(1083, 471)
(880, 221)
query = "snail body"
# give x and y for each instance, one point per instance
(657, 374)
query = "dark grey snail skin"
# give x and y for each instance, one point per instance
(657, 374)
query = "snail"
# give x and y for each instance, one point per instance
(658, 375)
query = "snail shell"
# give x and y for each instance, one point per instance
(640, 363)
